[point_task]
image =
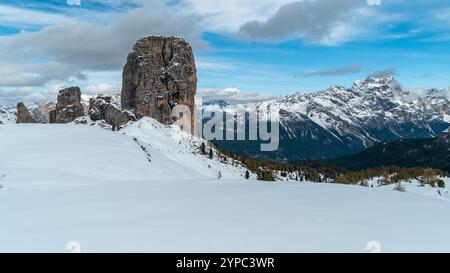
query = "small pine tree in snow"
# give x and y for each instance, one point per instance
(385, 178)
(211, 154)
(219, 175)
(430, 177)
(247, 175)
(203, 148)
(399, 187)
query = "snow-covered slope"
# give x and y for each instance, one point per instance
(148, 151)
(170, 144)
(144, 189)
(184, 216)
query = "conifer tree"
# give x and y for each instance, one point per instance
(203, 148)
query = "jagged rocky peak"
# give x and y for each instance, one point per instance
(377, 84)
(220, 103)
(23, 115)
(68, 107)
(371, 88)
(294, 98)
(160, 73)
(438, 93)
(337, 90)
(101, 108)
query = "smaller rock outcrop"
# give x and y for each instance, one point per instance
(68, 107)
(23, 115)
(101, 108)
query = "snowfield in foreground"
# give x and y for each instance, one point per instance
(74, 183)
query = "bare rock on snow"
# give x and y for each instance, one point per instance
(101, 108)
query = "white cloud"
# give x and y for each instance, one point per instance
(63, 50)
(74, 2)
(327, 22)
(22, 18)
(335, 71)
(387, 72)
(214, 65)
(374, 2)
(67, 48)
(230, 15)
(102, 88)
(443, 15)
(233, 95)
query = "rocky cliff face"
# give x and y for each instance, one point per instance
(23, 115)
(101, 108)
(68, 107)
(160, 73)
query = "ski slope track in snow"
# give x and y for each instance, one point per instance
(147, 189)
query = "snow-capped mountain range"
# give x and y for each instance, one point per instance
(331, 123)
(340, 121)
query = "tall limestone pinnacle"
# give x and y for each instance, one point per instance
(160, 74)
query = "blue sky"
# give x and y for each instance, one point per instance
(270, 47)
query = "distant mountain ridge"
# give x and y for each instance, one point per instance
(341, 121)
